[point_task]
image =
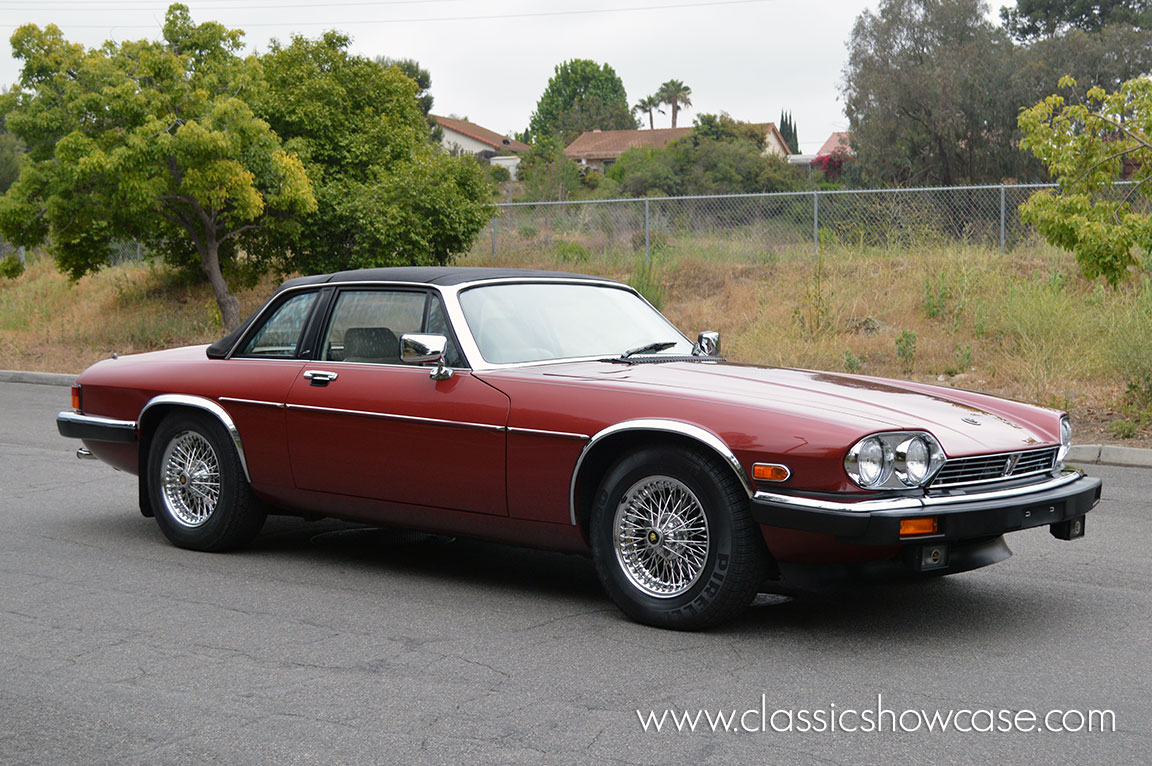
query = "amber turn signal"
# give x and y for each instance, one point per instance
(770, 472)
(76, 398)
(925, 526)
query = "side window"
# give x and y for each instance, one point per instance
(279, 336)
(438, 325)
(367, 324)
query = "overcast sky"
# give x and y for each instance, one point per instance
(491, 60)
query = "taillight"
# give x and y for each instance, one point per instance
(76, 396)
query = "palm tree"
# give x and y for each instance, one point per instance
(649, 104)
(675, 94)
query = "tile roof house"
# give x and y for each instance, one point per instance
(841, 140)
(599, 149)
(774, 142)
(461, 136)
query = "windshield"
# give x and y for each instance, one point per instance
(539, 321)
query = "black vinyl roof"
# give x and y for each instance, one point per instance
(431, 275)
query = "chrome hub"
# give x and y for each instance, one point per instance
(190, 479)
(661, 536)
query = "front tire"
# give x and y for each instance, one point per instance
(199, 494)
(672, 539)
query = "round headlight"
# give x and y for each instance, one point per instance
(870, 461)
(913, 461)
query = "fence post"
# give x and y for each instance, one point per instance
(494, 219)
(815, 226)
(1003, 210)
(647, 250)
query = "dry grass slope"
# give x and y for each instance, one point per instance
(1024, 325)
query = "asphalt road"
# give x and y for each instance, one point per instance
(328, 643)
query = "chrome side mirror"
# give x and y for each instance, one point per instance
(707, 344)
(417, 348)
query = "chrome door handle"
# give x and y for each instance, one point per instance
(319, 377)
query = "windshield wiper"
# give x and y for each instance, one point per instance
(651, 348)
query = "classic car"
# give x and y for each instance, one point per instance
(563, 411)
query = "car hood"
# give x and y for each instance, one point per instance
(965, 422)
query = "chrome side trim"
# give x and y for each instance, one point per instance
(705, 437)
(253, 402)
(539, 432)
(392, 416)
(199, 402)
(914, 503)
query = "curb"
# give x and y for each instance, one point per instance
(39, 378)
(1094, 454)
(1107, 454)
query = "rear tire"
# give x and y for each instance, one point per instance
(672, 539)
(196, 483)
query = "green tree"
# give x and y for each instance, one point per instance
(676, 95)
(1087, 145)
(386, 196)
(1105, 57)
(423, 79)
(418, 74)
(648, 105)
(150, 141)
(721, 127)
(548, 174)
(12, 151)
(788, 131)
(1035, 19)
(582, 95)
(931, 94)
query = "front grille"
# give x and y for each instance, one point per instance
(985, 468)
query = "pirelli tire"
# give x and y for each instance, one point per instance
(196, 483)
(672, 539)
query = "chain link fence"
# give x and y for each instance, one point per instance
(758, 227)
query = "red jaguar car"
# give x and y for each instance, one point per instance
(563, 411)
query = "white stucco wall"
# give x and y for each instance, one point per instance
(454, 141)
(509, 161)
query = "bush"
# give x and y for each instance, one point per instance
(571, 252)
(499, 174)
(906, 349)
(11, 267)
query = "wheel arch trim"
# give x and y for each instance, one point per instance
(206, 405)
(694, 432)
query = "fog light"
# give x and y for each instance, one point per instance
(929, 525)
(933, 557)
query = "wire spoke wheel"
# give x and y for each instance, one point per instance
(661, 536)
(190, 479)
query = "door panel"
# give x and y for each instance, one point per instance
(390, 432)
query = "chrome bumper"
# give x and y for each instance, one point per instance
(963, 515)
(94, 428)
